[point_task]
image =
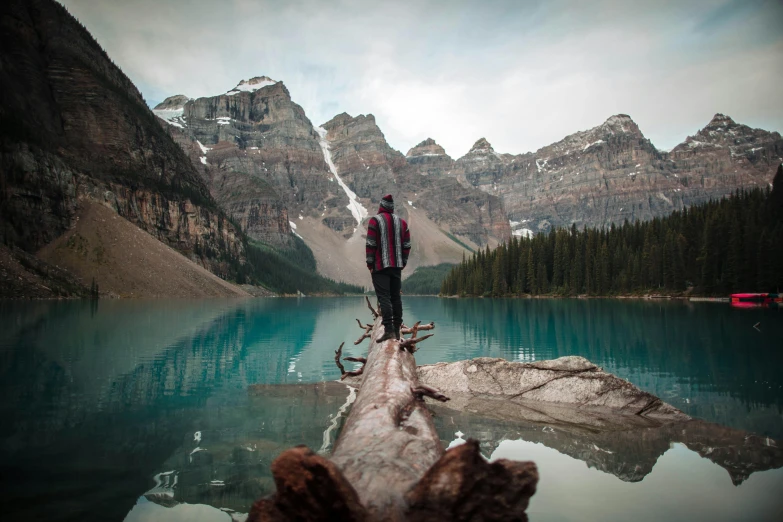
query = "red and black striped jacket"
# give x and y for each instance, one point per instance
(388, 241)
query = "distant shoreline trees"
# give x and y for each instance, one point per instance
(730, 245)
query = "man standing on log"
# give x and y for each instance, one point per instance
(387, 248)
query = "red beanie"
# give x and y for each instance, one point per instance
(387, 202)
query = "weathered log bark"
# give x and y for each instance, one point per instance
(389, 440)
(463, 486)
(309, 487)
(388, 463)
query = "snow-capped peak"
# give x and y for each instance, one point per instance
(171, 110)
(172, 103)
(252, 85)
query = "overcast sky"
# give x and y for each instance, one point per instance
(523, 74)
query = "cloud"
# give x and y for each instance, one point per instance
(521, 74)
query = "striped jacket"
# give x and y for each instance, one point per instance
(388, 241)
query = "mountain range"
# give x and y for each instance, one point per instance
(277, 173)
(207, 176)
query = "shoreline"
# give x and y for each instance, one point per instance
(650, 297)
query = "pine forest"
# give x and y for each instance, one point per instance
(730, 245)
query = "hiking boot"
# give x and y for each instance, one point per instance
(387, 334)
(398, 332)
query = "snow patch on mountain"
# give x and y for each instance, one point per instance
(357, 209)
(202, 147)
(251, 85)
(520, 232)
(171, 116)
(293, 229)
(597, 142)
(523, 232)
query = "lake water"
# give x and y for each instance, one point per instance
(140, 410)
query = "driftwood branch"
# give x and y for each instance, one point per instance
(367, 331)
(338, 353)
(364, 336)
(410, 344)
(422, 327)
(352, 373)
(415, 330)
(374, 312)
(364, 326)
(422, 391)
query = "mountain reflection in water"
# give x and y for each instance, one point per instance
(102, 401)
(233, 468)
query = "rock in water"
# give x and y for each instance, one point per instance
(572, 381)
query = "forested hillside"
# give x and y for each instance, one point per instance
(731, 245)
(426, 280)
(288, 271)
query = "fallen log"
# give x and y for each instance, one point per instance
(388, 463)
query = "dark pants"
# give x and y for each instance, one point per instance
(387, 283)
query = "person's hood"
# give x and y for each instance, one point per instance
(387, 204)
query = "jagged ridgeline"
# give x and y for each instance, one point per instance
(730, 245)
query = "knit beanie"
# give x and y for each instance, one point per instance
(387, 202)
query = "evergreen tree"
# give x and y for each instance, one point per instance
(709, 259)
(604, 268)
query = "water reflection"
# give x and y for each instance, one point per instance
(628, 452)
(100, 398)
(682, 487)
(705, 358)
(227, 468)
(94, 400)
(226, 463)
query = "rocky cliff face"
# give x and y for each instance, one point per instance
(264, 161)
(365, 162)
(74, 126)
(725, 153)
(421, 178)
(268, 166)
(430, 159)
(612, 172)
(260, 155)
(172, 103)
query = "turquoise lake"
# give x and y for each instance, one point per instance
(141, 410)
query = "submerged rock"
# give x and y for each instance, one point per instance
(572, 380)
